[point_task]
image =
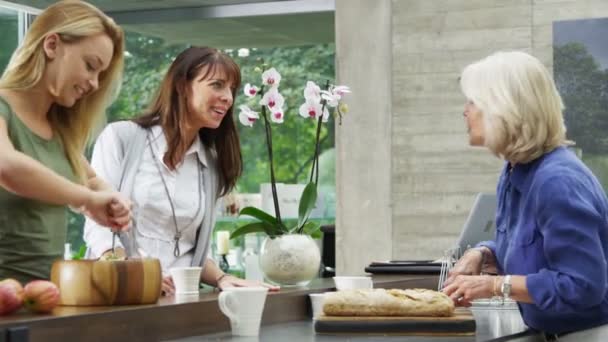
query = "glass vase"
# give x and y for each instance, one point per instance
(290, 259)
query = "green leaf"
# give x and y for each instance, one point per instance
(80, 254)
(259, 214)
(256, 227)
(313, 229)
(307, 203)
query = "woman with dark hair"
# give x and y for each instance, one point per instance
(174, 162)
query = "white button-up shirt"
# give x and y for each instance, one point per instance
(154, 225)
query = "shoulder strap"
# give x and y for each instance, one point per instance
(132, 140)
(5, 110)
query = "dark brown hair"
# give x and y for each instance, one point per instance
(169, 109)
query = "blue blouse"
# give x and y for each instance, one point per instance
(552, 226)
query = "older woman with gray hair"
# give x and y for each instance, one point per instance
(551, 244)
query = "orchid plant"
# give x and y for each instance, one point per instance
(316, 108)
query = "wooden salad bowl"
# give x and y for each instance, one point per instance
(107, 282)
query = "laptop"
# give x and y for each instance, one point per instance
(481, 223)
(479, 226)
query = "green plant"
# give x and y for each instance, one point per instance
(315, 108)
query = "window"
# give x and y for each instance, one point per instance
(9, 27)
(581, 73)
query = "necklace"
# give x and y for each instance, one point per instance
(178, 233)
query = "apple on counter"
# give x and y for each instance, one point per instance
(40, 296)
(11, 296)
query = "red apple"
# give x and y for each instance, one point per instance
(40, 296)
(11, 296)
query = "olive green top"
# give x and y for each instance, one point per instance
(32, 233)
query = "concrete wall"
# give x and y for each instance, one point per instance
(406, 176)
(363, 144)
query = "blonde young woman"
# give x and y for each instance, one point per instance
(551, 244)
(54, 89)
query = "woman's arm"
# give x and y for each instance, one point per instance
(94, 182)
(27, 177)
(570, 217)
(519, 290)
(212, 273)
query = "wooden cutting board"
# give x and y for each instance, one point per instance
(462, 323)
(101, 282)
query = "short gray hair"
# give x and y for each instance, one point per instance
(522, 109)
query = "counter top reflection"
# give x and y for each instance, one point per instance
(176, 316)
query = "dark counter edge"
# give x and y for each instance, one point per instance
(174, 317)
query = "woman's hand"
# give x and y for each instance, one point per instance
(227, 281)
(470, 263)
(465, 288)
(109, 209)
(167, 287)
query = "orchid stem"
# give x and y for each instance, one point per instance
(314, 172)
(273, 183)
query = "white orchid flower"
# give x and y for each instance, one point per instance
(325, 114)
(247, 117)
(277, 115)
(272, 99)
(312, 109)
(331, 99)
(312, 91)
(271, 77)
(251, 90)
(340, 90)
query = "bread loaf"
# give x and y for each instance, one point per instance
(393, 302)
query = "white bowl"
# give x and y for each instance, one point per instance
(352, 283)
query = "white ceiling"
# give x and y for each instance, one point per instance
(222, 23)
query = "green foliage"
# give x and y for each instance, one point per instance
(584, 89)
(8, 43)
(75, 225)
(80, 254)
(146, 62)
(307, 203)
(313, 229)
(262, 216)
(269, 225)
(256, 227)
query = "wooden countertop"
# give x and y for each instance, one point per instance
(173, 317)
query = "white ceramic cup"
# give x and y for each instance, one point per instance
(316, 302)
(352, 283)
(244, 307)
(186, 279)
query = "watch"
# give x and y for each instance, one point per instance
(506, 287)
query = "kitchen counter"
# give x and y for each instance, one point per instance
(173, 317)
(492, 322)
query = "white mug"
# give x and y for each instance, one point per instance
(352, 283)
(316, 302)
(244, 307)
(186, 279)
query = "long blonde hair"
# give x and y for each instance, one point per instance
(522, 109)
(72, 21)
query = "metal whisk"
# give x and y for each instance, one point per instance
(450, 256)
